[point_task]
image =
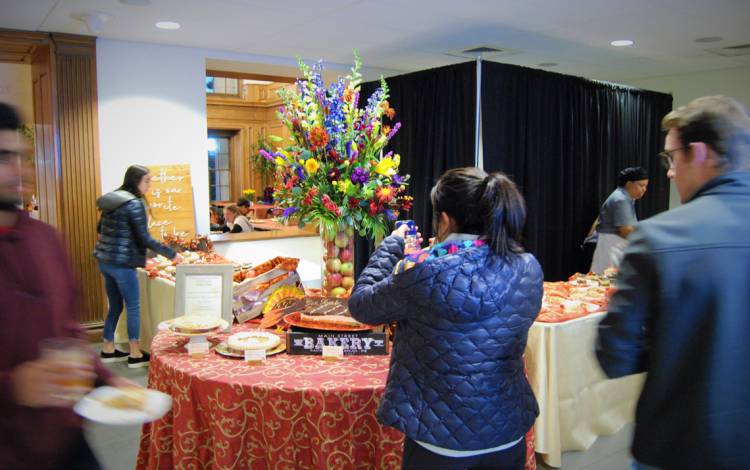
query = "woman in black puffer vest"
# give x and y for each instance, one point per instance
(121, 248)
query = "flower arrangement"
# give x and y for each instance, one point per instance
(334, 172)
(265, 167)
(248, 194)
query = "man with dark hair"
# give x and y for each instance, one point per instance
(38, 295)
(681, 309)
(617, 218)
(244, 206)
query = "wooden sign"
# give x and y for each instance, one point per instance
(353, 343)
(171, 202)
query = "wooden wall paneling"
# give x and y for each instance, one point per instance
(45, 125)
(79, 164)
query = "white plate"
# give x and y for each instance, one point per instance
(91, 407)
(167, 326)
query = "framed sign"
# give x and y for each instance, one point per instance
(171, 202)
(204, 290)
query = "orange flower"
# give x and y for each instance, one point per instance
(391, 113)
(348, 94)
(386, 130)
(384, 194)
(318, 137)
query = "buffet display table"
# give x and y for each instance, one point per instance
(577, 402)
(292, 412)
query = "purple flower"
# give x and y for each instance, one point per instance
(398, 180)
(394, 130)
(300, 173)
(359, 175)
(267, 155)
(352, 153)
(289, 211)
(390, 214)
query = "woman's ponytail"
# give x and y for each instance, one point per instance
(486, 205)
(504, 213)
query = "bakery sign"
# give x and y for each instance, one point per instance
(353, 343)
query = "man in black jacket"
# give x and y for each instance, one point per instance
(682, 309)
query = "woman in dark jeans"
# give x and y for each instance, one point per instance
(456, 386)
(121, 248)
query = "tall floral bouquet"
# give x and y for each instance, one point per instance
(334, 172)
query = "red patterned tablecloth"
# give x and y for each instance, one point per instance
(294, 412)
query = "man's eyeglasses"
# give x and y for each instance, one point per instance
(667, 157)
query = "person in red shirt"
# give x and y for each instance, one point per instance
(38, 301)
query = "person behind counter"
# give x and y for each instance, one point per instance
(236, 222)
(617, 219)
(464, 308)
(217, 219)
(244, 206)
(120, 249)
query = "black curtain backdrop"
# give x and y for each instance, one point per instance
(437, 111)
(563, 140)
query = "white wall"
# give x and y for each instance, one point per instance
(152, 111)
(16, 89)
(734, 82)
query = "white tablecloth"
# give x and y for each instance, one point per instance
(577, 403)
(157, 305)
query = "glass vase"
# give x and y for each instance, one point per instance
(337, 269)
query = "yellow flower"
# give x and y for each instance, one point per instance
(386, 167)
(280, 161)
(312, 166)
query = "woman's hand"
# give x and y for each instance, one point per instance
(401, 233)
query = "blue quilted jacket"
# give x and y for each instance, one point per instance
(456, 378)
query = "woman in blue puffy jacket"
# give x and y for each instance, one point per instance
(456, 386)
(120, 249)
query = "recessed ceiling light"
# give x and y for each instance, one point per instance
(622, 43)
(167, 25)
(710, 39)
(548, 64)
(136, 3)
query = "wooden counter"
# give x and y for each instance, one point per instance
(266, 230)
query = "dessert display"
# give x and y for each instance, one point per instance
(581, 295)
(272, 284)
(191, 324)
(325, 313)
(199, 243)
(165, 268)
(247, 340)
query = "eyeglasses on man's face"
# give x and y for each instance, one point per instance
(667, 157)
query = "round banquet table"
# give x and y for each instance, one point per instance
(293, 412)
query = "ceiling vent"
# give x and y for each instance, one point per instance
(731, 51)
(483, 51)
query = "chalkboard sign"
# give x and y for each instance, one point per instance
(171, 202)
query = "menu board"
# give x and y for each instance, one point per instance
(171, 202)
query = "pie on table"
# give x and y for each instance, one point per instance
(195, 323)
(248, 340)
